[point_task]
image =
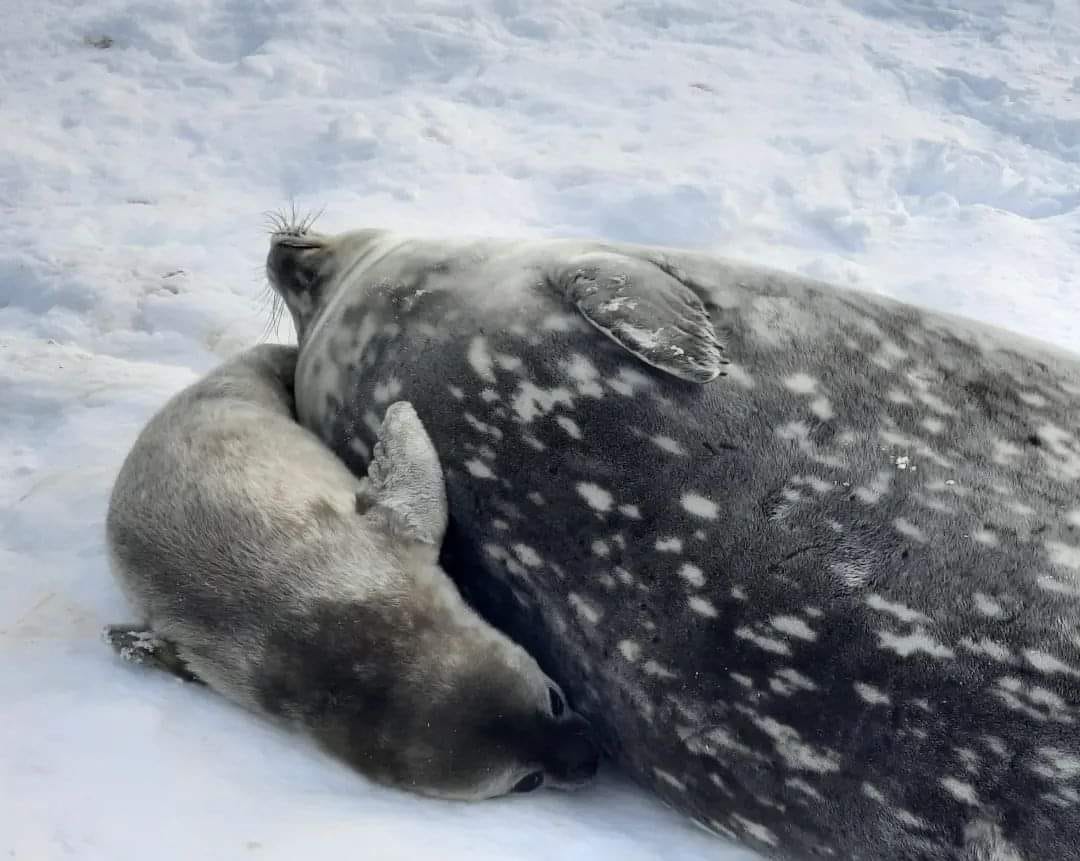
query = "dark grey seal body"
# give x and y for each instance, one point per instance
(828, 602)
(263, 568)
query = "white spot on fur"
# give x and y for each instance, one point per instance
(960, 790)
(754, 829)
(800, 785)
(598, 498)
(584, 609)
(508, 363)
(360, 447)
(738, 593)
(878, 487)
(478, 425)
(569, 425)
(692, 574)
(1003, 452)
(988, 647)
(1066, 555)
(873, 793)
(853, 574)
(821, 408)
(793, 626)
(531, 401)
(900, 611)
(789, 679)
(917, 641)
(669, 545)
(699, 506)
(777, 647)
(702, 607)
(794, 751)
(1059, 764)
(1032, 399)
(385, 393)
(933, 425)
(536, 498)
(906, 527)
(985, 536)
(628, 382)
(527, 555)
(1044, 662)
(669, 779)
(738, 374)
(631, 511)
(801, 384)
(652, 668)
(601, 549)
(478, 469)
(988, 606)
(480, 359)
(872, 695)
(584, 375)
(630, 650)
(671, 446)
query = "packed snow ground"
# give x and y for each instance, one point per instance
(927, 149)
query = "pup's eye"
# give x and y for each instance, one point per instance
(557, 704)
(530, 782)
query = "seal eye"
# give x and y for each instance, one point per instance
(557, 704)
(530, 782)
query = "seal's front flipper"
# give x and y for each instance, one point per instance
(139, 645)
(405, 480)
(642, 308)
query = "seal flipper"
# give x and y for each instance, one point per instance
(647, 312)
(140, 645)
(405, 480)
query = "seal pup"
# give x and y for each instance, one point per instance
(827, 602)
(262, 567)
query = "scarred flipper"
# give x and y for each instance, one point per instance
(405, 480)
(647, 312)
(139, 645)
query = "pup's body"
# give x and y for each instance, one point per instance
(263, 567)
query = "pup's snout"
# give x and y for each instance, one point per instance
(575, 757)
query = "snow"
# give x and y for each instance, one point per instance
(926, 149)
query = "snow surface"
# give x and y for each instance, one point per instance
(927, 149)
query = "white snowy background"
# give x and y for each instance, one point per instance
(927, 149)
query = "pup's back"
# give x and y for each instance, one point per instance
(226, 515)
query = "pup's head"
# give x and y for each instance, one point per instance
(487, 723)
(446, 707)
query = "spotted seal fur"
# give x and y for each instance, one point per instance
(262, 567)
(824, 598)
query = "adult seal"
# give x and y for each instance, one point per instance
(824, 598)
(262, 567)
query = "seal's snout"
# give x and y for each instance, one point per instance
(575, 756)
(292, 265)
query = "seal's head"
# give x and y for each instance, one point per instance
(426, 697)
(302, 265)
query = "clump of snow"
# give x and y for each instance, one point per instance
(930, 151)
